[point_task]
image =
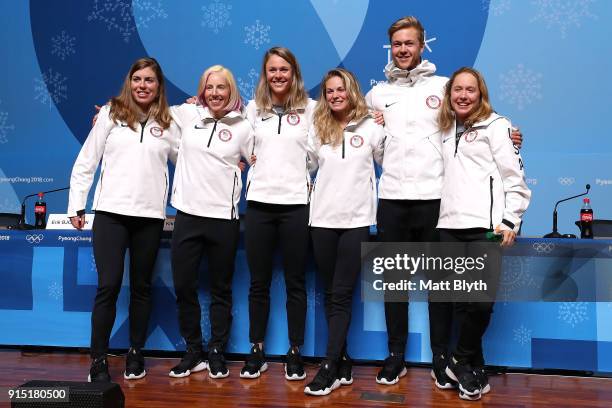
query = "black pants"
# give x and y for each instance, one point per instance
(472, 318)
(194, 237)
(404, 221)
(337, 253)
(268, 226)
(113, 234)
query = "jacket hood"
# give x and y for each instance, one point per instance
(409, 77)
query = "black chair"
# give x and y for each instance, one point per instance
(601, 228)
(8, 220)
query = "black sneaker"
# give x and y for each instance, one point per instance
(438, 365)
(325, 381)
(98, 372)
(134, 365)
(469, 388)
(216, 364)
(393, 369)
(345, 370)
(483, 380)
(191, 362)
(294, 366)
(254, 364)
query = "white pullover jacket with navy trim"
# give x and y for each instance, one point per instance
(344, 192)
(207, 180)
(280, 174)
(134, 171)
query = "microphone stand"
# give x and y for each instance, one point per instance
(21, 225)
(555, 232)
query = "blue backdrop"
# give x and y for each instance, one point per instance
(546, 62)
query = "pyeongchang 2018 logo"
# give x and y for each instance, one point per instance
(34, 238)
(566, 181)
(603, 182)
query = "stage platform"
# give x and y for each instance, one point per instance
(157, 390)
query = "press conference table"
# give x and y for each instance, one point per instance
(49, 281)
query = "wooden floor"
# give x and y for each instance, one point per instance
(272, 390)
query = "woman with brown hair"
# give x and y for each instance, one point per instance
(134, 137)
(345, 141)
(483, 192)
(277, 192)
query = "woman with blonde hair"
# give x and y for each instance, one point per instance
(345, 142)
(134, 137)
(277, 192)
(483, 192)
(206, 191)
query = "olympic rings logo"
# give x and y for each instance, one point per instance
(35, 238)
(543, 247)
(566, 181)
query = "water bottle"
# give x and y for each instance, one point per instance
(40, 213)
(586, 220)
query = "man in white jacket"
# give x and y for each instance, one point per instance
(410, 186)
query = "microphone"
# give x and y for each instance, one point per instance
(21, 225)
(555, 232)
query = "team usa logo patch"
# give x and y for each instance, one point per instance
(225, 135)
(471, 136)
(157, 131)
(356, 141)
(293, 118)
(433, 102)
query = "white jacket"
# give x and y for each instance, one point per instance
(410, 102)
(280, 174)
(134, 173)
(484, 181)
(207, 180)
(344, 192)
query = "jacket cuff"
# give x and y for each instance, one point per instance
(508, 223)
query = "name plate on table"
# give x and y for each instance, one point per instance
(61, 222)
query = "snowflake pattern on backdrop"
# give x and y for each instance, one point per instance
(562, 13)
(522, 335)
(55, 290)
(118, 15)
(515, 277)
(257, 34)
(247, 86)
(496, 7)
(216, 16)
(63, 45)
(520, 86)
(428, 40)
(5, 128)
(573, 313)
(50, 88)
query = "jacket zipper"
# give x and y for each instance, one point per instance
(212, 133)
(142, 128)
(233, 212)
(457, 140)
(280, 116)
(343, 146)
(491, 208)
